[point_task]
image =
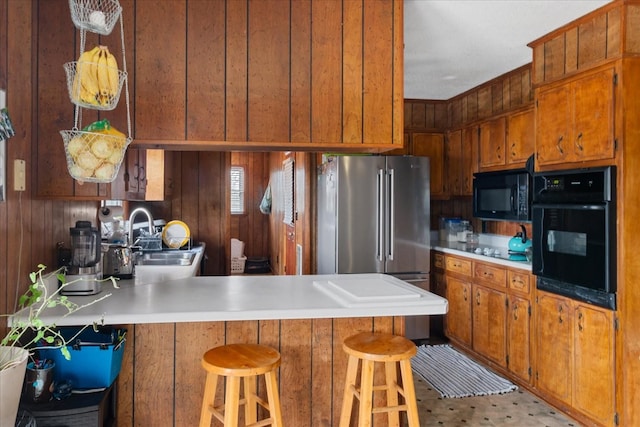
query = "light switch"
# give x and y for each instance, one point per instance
(19, 175)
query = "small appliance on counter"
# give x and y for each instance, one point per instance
(117, 261)
(84, 263)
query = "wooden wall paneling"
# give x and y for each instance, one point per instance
(498, 100)
(211, 210)
(326, 70)
(268, 71)
(295, 387)
(379, 105)
(160, 80)
(154, 378)
(51, 95)
(592, 41)
(236, 71)
(300, 71)
(614, 33)
(126, 388)
(631, 19)
(343, 328)
(455, 112)
(554, 62)
(485, 102)
(321, 366)
(570, 52)
(352, 65)
(192, 341)
(416, 116)
(538, 67)
(269, 334)
(205, 70)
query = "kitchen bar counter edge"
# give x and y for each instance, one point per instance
(229, 298)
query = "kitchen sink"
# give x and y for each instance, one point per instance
(179, 258)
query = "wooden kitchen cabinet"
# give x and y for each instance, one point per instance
(493, 143)
(459, 278)
(438, 285)
(521, 137)
(519, 337)
(458, 319)
(431, 145)
(576, 355)
(575, 120)
(490, 323)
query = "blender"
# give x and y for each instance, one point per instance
(84, 265)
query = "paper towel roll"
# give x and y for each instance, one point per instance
(110, 213)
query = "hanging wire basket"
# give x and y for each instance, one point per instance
(98, 98)
(94, 156)
(97, 16)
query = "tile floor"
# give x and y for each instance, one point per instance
(519, 408)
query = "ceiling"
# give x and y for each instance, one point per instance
(452, 46)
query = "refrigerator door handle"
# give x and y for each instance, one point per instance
(392, 214)
(380, 230)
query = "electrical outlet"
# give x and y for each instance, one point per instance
(19, 175)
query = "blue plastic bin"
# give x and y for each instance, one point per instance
(96, 357)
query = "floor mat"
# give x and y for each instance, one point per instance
(454, 375)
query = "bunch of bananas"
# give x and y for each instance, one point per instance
(96, 81)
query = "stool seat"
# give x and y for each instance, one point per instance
(241, 359)
(236, 362)
(379, 347)
(365, 350)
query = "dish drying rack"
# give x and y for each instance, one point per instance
(100, 17)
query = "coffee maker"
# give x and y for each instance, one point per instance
(84, 263)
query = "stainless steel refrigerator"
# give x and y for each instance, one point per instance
(373, 217)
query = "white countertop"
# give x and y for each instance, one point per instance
(223, 298)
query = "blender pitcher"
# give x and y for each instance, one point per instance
(84, 269)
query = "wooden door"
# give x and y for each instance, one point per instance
(489, 323)
(594, 363)
(593, 136)
(521, 137)
(431, 145)
(458, 319)
(518, 337)
(453, 156)
(493, 143)
(554, 363)
(469, 159)
(553, 125)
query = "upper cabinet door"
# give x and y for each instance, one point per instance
(493, 143)
(575, 121)
(521, 137)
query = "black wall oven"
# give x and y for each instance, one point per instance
(574, 234)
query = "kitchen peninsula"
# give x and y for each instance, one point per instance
(172, 323)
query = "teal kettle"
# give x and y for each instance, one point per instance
(519, 242)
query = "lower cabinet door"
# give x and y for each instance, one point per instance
(458, 322)
(489, 323)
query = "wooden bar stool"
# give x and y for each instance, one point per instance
(369, 348)
(235, 361)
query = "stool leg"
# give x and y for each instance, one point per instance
(250, 405)
(391, 377)
(274, 399)
(231, 402)
(409, 393)
(208, 399)
(348, 395)
(366, 394)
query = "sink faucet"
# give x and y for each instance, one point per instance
(133, 215)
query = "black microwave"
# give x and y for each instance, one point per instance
(502, 196)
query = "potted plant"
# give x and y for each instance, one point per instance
(29, 332)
